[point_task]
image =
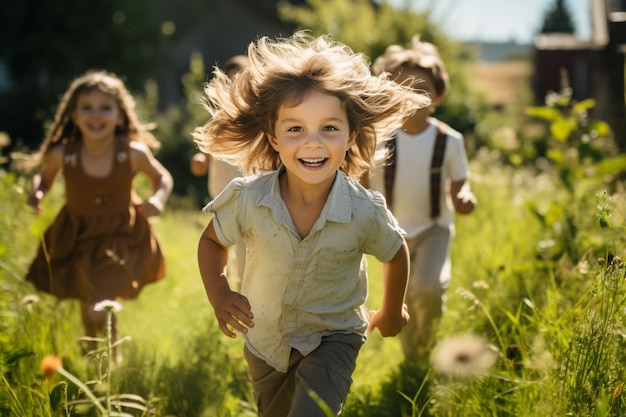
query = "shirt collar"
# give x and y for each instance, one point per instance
(338, 207)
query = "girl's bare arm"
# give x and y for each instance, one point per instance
(42, 181)
(162, 182)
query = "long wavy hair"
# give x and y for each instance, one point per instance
(282, 72)
(63, 130)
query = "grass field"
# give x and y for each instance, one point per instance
(537, 275)
(502, 82)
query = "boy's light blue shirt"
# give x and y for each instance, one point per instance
(302, 289)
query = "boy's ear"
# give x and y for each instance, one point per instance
(273, 141)
(437, 100)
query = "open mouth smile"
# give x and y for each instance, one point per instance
(313, 162)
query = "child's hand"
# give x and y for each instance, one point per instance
(464, 202)
(233, 309)
(199, 164)
(34, 199)
(150, 207)
(388, 324)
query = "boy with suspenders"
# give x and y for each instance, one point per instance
(425, 181)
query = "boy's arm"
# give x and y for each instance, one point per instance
(393, 315)
(463, 199)
(231, 308)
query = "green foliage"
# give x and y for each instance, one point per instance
(365, 27)
(582, 153)
(555, 327)
(593, 361)
(174, 128)
(578, 144)
(114, 35)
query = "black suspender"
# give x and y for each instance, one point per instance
(435, 170)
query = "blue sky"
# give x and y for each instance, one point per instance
(499, 20)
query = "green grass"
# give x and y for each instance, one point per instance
(540, 311)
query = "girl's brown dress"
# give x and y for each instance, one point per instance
(98, 247)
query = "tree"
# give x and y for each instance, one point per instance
(558, 20)
(45, 44)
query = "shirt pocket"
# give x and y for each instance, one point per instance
(335, 265)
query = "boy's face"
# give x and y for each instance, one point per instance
(312, 139)
(422, 81)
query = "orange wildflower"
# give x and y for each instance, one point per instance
(49, 365)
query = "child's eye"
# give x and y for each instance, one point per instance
(330, 128)
(294, 129)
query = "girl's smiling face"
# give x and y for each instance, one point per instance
(312, 138)
(96, 115)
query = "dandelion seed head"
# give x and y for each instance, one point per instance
(463, 357)
(108, 305)
(30, 299)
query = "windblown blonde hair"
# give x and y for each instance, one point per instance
(282, 72)
(63, 130)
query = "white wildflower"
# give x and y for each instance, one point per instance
(108, 305)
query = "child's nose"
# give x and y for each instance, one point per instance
(313, 139)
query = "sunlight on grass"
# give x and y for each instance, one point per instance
(173, 309)
(380, 354)
(540, 313)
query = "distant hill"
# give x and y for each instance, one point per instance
(501, 51)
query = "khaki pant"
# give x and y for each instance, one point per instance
(429, 277)
(327, 371)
